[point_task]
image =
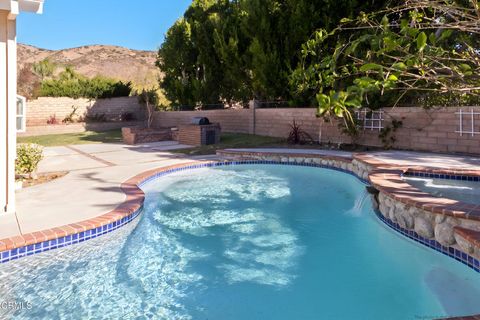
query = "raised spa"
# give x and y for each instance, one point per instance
(246, 242)
(461, 188)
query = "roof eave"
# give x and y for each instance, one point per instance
(35, 6)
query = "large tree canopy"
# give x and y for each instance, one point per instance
(235, 50)
(418, 52)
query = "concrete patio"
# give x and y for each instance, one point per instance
(92, 186)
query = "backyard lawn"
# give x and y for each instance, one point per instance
(228, 140)
(74, 138)
(235, 140)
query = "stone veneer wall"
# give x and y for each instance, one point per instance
(429, 225)
(40, 110)
(422, 130)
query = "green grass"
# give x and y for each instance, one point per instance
(228, 140)
(74, 138)
(235, 140)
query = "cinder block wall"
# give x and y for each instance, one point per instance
(422, 130)
(40, 110)
(239, 121)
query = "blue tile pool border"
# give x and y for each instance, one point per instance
(28, 250)
(456, 254)
(446, 176)
(80, 237)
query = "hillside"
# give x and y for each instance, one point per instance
(109, 61)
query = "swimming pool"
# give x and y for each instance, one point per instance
(246, 242)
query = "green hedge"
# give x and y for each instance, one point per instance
(73, 85)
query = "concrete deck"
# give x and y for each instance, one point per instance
(431, 160)
(401, 158)
(91, 188)
(96, 172)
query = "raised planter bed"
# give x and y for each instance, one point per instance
(136, 135)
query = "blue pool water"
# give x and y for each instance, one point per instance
(245, 242)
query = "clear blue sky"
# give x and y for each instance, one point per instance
(135, 24)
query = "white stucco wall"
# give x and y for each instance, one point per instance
(9, 9)
(8, 92)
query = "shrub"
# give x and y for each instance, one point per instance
(71, 117)
(28, 157)
(73, 85)
(53, 120)
(297, 135)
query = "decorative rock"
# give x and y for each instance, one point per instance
(413, 211)
(444, 234)
(401, 220)
(408, 218)
(423, 227)
(428, 215)
(383, 209)
(391, 214)
(439, 218)
(375, 203)
(350, 168)
(404, 219)
(464, 244)
(477, 253)
(399, 207)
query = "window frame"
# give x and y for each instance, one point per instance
(23, 116)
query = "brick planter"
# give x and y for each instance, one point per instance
(136, 135)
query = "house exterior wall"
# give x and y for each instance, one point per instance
(9, 10)
(8, 91)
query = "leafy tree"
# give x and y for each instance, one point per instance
(44, 68)
(418, 50)
(149, 97)
(233, 50)
(177, 59)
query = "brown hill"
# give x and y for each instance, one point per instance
(109, 61)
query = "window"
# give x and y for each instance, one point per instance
(368, 119)
(21, 114)
(467, 125)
